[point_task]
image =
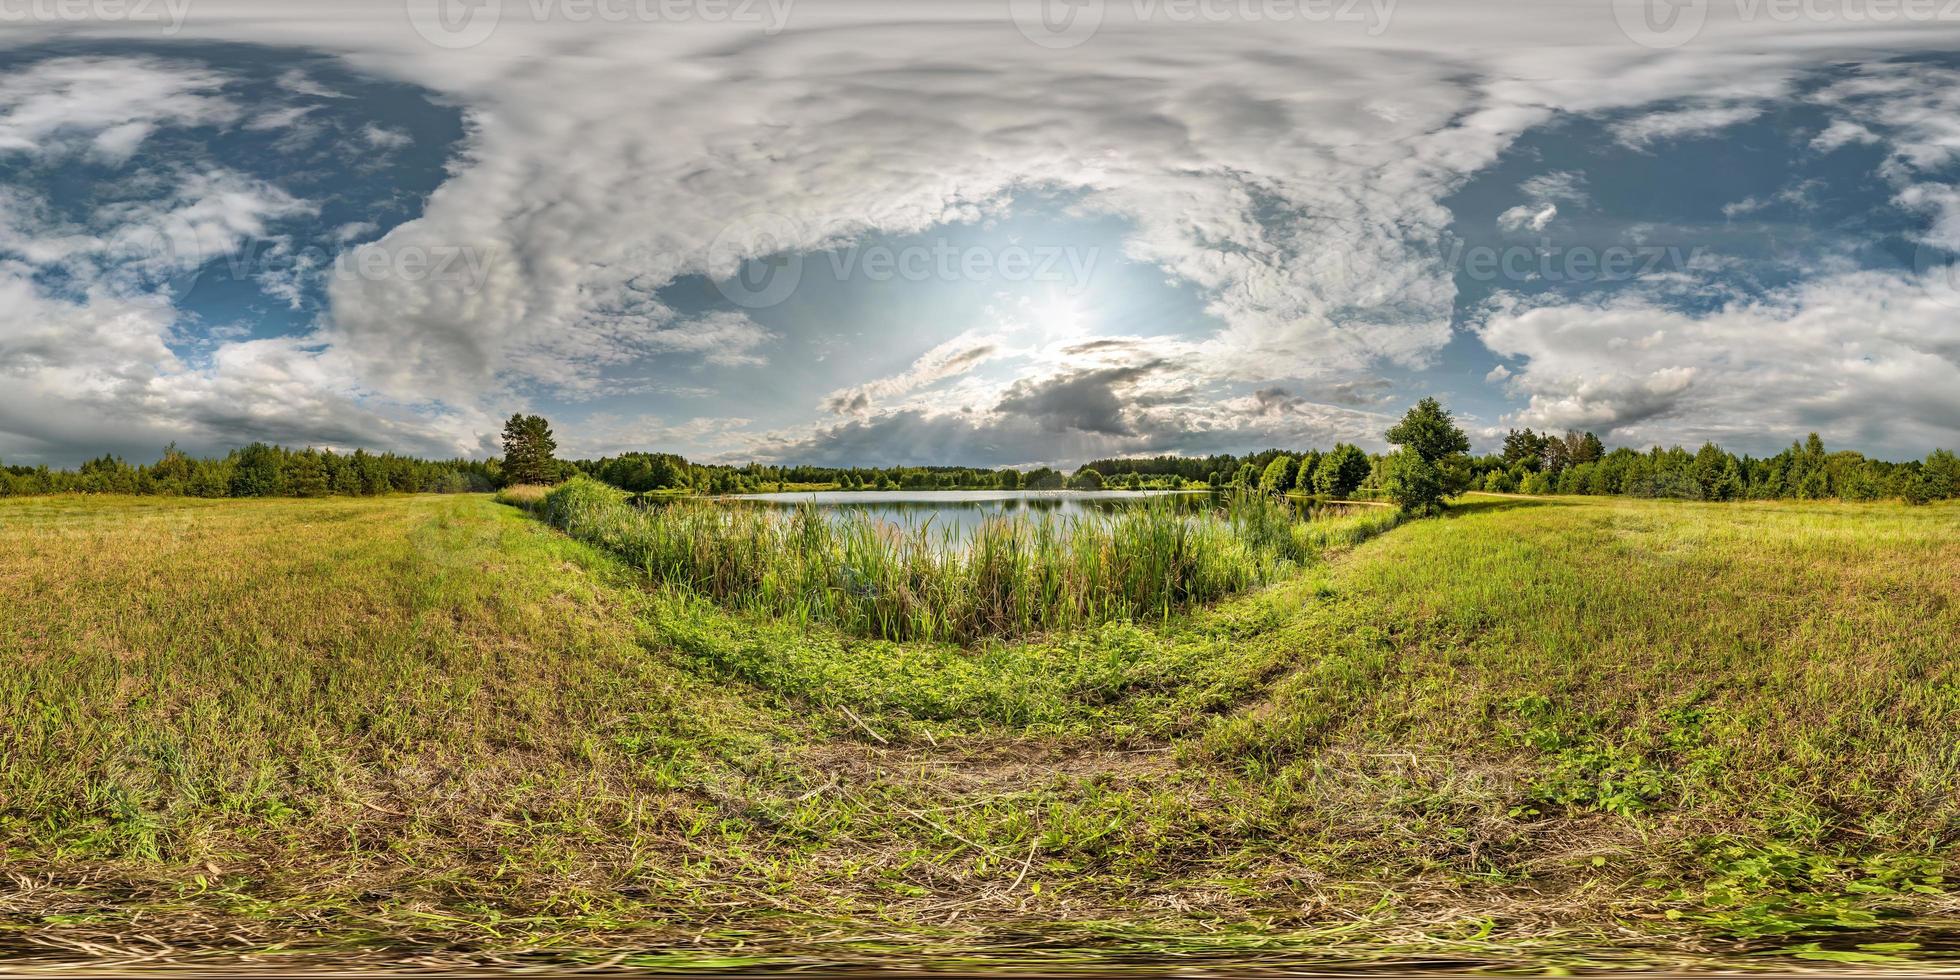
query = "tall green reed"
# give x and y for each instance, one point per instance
(1010, 576)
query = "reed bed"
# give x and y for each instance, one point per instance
(524, 496)
(1011, 576)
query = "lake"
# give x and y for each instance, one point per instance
(963, 510)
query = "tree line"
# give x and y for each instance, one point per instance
(651, 472)
(1577, 463)
(1570, 463)
(258, 470)
(1431, 465)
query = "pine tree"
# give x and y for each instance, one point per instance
(308, 476)
(528, 449)
(1523, 447)
(1727, 486)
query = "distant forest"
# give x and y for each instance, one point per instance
(258, 470)
(1578, 463)
(1529, 463)
(1574, 463)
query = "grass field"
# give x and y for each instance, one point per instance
(1564, 732)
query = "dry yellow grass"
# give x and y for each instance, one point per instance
(1542, 729)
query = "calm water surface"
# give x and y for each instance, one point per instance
(961, 511)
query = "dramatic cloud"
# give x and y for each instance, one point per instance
(1290, 177)
(1015, 438)
(1087, 401)
(1868, 359)
(950, 359)
(104, 107)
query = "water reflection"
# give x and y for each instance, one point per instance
(960, 512)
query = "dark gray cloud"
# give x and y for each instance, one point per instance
(1275, 401)
(913, 437)
(1366, 391)
(1087, 401)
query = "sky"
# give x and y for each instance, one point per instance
(999, 233)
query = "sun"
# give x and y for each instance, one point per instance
(1060, 319)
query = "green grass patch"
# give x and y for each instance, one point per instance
(1010, 577)
(1549, 733)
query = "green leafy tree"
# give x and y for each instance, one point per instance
(1087, 479)
(1340, 472)
(1301, 476)
(1430, 431)
(1432, 464)
(1729, 485)
(1278, 477)
(258, 471)
(1707, 468)
(1814, 485)
(1918, 488)
(1413, 482)
(1942, 472)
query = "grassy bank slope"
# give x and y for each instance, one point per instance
(1534, 727)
